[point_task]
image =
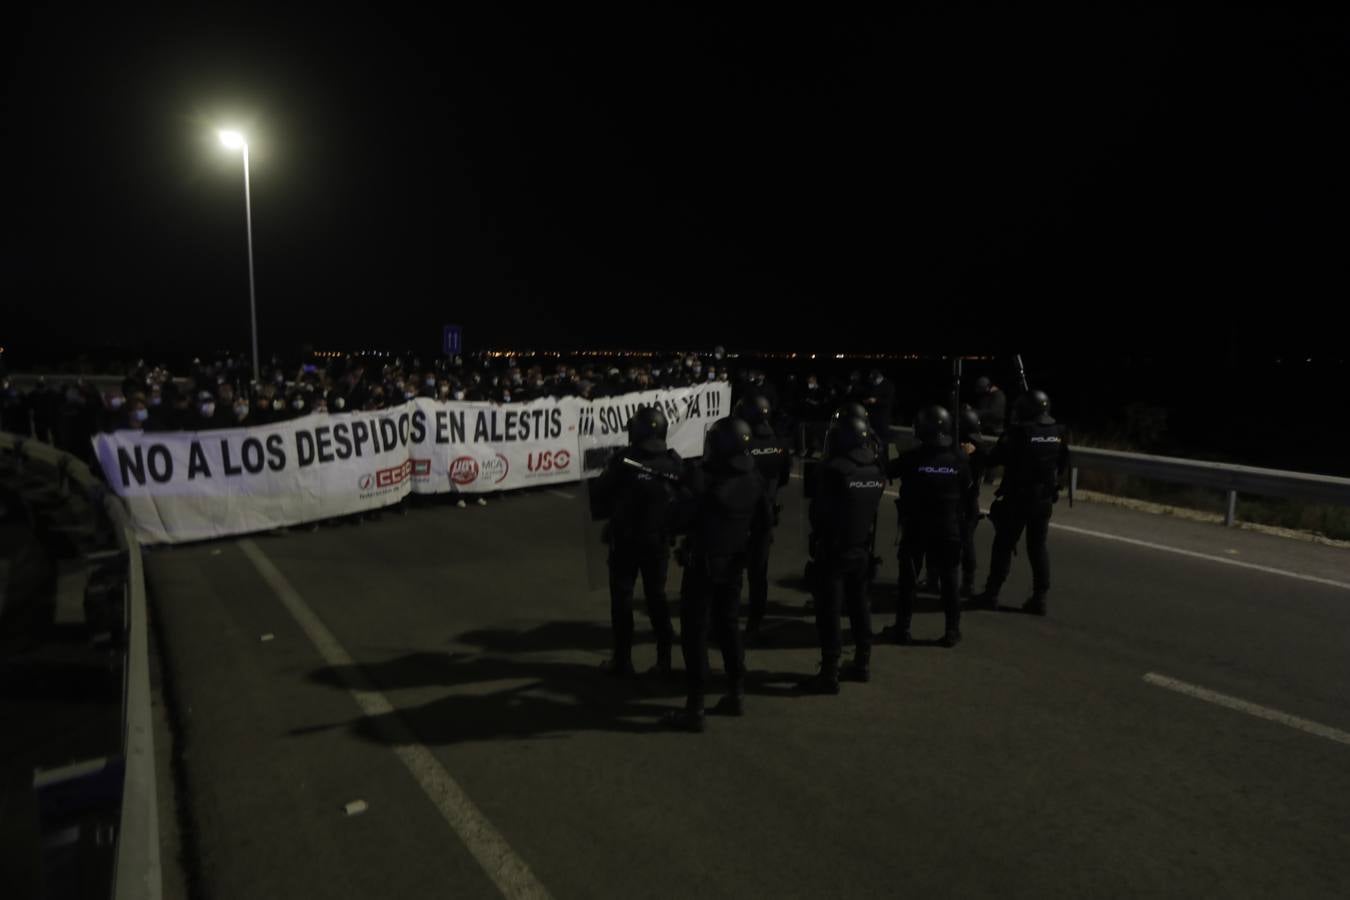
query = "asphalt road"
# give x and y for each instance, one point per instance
(1032, 761)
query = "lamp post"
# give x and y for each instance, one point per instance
(235, 141)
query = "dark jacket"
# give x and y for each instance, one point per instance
(844, 506)
(1035, 457)
(935, 493)
(773, 460)
(725, 506)
(638, 497)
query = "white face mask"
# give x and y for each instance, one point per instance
(240, 411)
(459, 395)
(278, 404)
(116, 402)
(141, 415)
(506, 396)
(155, 400)
(340, 402)
(207, 410)
(408, 395)
(297, 404)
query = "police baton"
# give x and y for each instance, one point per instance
(668, 476)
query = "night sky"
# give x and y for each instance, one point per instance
(931, 181)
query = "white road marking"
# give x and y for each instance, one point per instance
(507, 870)
(563, 494)
(1251, 709)
(1269, 570)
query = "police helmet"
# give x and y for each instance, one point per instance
(754, 410)
(848, 433)
(728, 437)
(647, 429)
(1032, 406)
(982, 385)
(850, 410)
(969, 422)
(934, 427)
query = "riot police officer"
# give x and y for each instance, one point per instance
(773, 459)
(935, 491)
(1034, 452)
(969, 426)
(638, 486)
(725, 512)
(843, 520)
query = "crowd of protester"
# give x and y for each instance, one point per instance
(222, 393)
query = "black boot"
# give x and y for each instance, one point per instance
(985, 599)
(663, 668)
(688, 719)
(952, 636)
(618, 667)
(861, 667)
(1035, 605)
(753, 636)
(733, 703)
(896, 634)
(826, 681)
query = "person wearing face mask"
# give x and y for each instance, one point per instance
(239, 410)
(877, 395)
(134, 415)
(206, 413)
(813, 410)
(299, 405)
(111, 416)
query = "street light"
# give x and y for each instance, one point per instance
(235, 141)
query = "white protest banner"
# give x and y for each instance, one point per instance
(689, 411)
(184, 486)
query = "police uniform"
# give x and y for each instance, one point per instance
(726, 510)
(773, 460)
(639, 498)
(1035, 455)
(935, 491)
(843, 513)
(979, 462)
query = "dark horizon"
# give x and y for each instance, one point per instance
(926, 182)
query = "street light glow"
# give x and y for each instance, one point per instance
(232, 139)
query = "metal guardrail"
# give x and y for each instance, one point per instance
(137, 874)
(1234, 479)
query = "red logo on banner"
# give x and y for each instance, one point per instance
(548, 461)
(364, 482)
(395, 475)
(464, 470)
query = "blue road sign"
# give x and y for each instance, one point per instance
(453, 342)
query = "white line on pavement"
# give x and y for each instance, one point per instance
(1251, 709)
(507, 870)
(563, 494)
(1191, 553)
(1269, 570)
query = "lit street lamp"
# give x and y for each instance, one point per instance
(235, 141)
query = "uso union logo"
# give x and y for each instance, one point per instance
(545, 461)
(464, 470)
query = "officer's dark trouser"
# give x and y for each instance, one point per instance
(968, 560)
(711, 589)
(1011, 519)
(624, 566)
(843, 578)
(943, 558)
(757, 574)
